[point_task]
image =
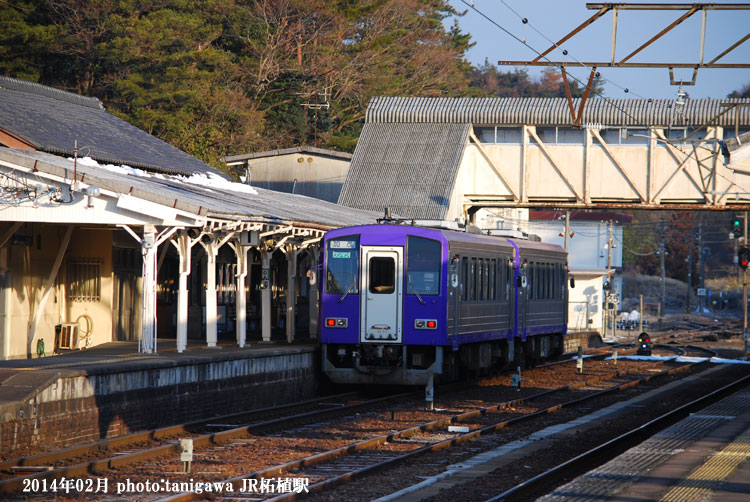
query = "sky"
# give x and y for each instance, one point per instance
(550, 20)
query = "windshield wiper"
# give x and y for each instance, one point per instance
(416, 293)
(348, 290)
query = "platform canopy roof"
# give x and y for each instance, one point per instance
(48, 119)
(204, 197)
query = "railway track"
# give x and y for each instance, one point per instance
(341, 465)
(557, 475)
(116, 452)
(348, 460)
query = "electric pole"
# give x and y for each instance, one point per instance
(702, 257)
(744, 297)
(662, 252)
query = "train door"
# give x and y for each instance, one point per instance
(381, 303)
(523, 301)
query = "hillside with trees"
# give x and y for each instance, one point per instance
(221, 77)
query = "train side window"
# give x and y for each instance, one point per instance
(464, 278)
(486, 290)
(492, 283)
(482, 279)
(473, 276)
(508, 278)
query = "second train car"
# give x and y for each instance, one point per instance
(401, 303)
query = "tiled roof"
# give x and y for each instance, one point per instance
(52, 120)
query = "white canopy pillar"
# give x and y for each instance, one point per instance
(149, 245)
(212, 245)
(184, 245)
(240, 252)
(315, 276)
(265, 294)
(148, 309)
(290, 250)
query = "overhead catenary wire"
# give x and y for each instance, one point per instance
(526, 21)
(606, 99)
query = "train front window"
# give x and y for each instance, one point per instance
(423, 260)
(342, 260)
(382, 275)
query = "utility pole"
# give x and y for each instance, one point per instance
(662, 252)
(609, 247)
(690, 269)
(702, 258)
(744, 297)
(611, 313)
(567, 228)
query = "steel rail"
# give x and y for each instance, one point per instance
(13, 484)
(151, 434)
(616, 446)
(338, 480)
(379, 440)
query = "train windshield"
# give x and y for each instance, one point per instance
(423, 260)
(342, 260)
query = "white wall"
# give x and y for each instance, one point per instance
(585, 298)
(587, 249)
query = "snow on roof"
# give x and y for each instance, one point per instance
(202, 179)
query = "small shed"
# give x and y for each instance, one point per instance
(302, 170)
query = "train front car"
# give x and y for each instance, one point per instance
(384, 304)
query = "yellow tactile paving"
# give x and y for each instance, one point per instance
(699, 484)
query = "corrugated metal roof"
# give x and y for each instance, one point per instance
(286, 151)
(554, 111)
(410, 168)
(206, 201)
(53, 120)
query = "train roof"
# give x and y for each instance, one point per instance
(525, 245)
(454, 236)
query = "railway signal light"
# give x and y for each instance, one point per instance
(644, 344)
(736, 227)
(743, 257)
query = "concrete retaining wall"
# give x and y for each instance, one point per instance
(81, 406)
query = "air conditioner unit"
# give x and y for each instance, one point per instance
(66, 336)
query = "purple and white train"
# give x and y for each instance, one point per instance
(401, 303)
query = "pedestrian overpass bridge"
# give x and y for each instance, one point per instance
(446, 158)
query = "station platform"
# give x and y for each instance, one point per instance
(704, 457)
(112, 389)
